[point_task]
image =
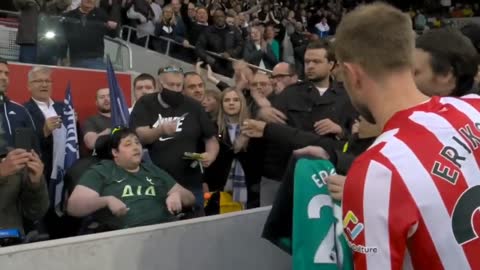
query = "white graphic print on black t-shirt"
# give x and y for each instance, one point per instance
(161, 120)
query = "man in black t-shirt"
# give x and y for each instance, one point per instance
(170, 124)
(99, 124)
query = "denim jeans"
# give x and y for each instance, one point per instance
(28, 54)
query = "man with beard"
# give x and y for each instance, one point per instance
(194, 86)
(99, 124)
(410, 201)
(13, 115)
(171, 125)
(319, 105)
(445, 63)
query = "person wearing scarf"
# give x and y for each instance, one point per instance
(237, 169)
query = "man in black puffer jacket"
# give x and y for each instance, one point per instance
(222, 39)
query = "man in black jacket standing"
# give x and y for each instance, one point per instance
(319, 106)
(222, 39)
(85, 28)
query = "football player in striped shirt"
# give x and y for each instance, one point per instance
(411, 200)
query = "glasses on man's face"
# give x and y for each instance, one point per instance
(41, 81)
(259, 84)
(279, 76)
(170, 70)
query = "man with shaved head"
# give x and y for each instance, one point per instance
(283, 75)
(99, 124)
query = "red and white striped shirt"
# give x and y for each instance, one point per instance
(412, 201)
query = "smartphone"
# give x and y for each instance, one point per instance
(24, 138)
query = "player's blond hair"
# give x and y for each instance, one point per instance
(378, 37)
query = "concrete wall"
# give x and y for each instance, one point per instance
(224, 242)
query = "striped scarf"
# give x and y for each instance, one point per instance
(236, 179)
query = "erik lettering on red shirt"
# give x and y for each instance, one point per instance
(412, 200)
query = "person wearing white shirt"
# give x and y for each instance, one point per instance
(323, 28)
(46, 114)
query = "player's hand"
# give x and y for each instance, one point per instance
(116, 206)
(253, 128)
(327, 126)
(174, 203)
(335, 185)
(15, 161)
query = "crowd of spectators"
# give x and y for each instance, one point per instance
(185, 140)
(48, 29)
(262, 33)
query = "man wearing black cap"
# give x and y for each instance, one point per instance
(171, 125)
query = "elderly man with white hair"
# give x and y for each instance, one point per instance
(46, 113)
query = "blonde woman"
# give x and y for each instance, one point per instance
(168, 22)
(237, 168)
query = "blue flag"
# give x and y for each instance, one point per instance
(120, 115)
(70, 123)
(65, 152)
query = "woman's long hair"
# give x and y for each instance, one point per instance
(223, 119)
(173, 20)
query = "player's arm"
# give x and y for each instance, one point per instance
(377, 215)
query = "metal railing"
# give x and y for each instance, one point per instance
(119, 56)
(9, 12)
(130, 30)
(10, 50)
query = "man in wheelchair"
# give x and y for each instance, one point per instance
(126, 192)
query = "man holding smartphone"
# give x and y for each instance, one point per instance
(23, 190)
(45, 112)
